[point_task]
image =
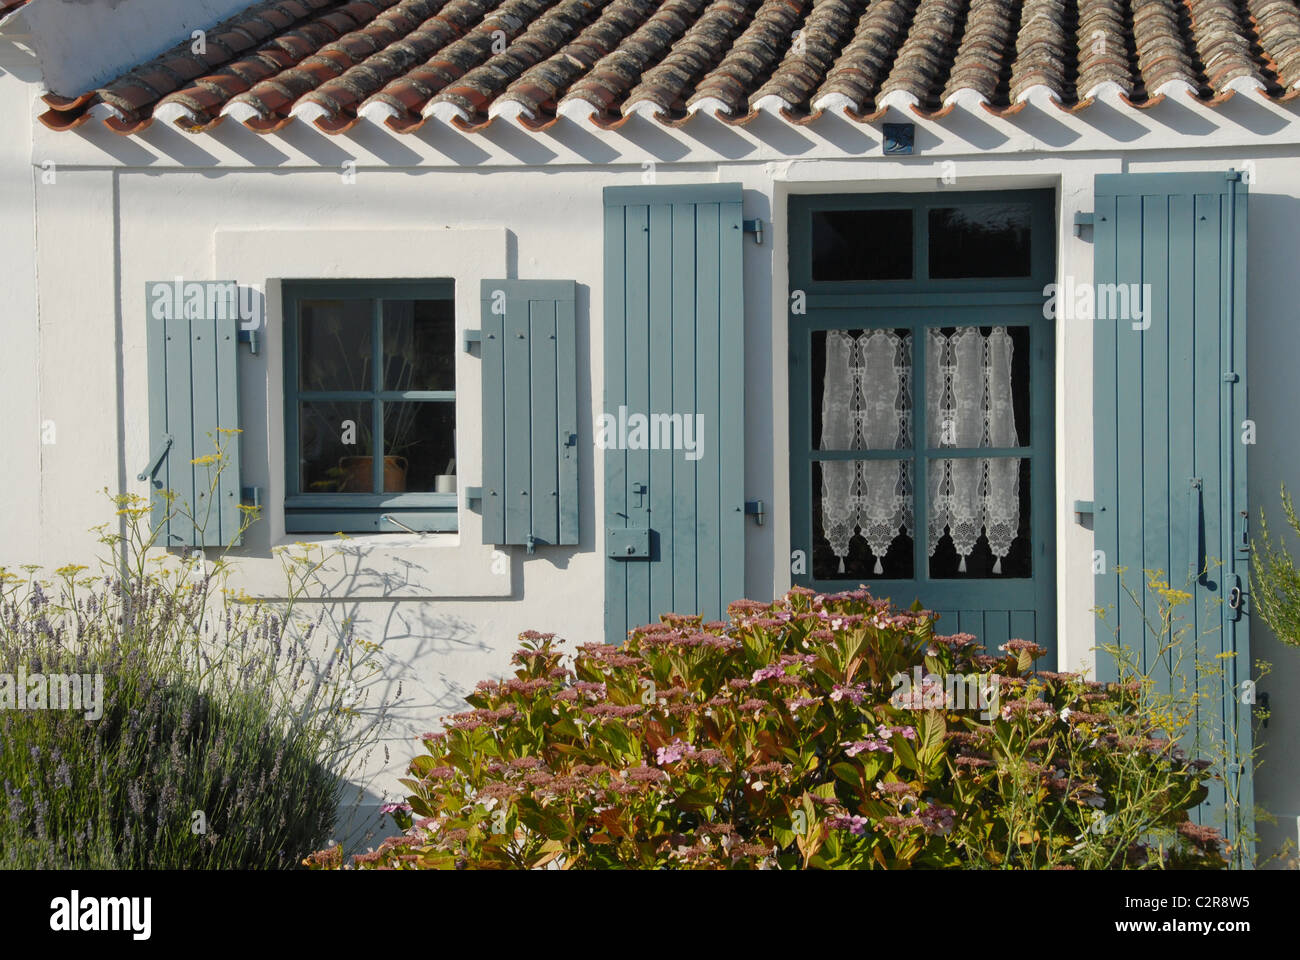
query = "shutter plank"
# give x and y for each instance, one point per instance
(683, 401)
(660, 400)
(731, 386)
(545, 467)
(617, 232)
(708, 508)
(494, 426)
(1105, 426)
(203, 391)
(1131, 507)
(227, 385)
(637, 399)
(566, 405)
(179, 471)
(518, 445)
(1153, 413)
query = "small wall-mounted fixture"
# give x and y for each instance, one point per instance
(756, 228)
(899, 138)
(1082, 220)
(754, 508)
(1083, 508)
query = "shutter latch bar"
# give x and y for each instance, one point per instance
(398, 523)
(156, 461)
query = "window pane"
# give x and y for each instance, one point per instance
(336, 447)
(862, 393)
(977, 387)
(862, 520)
(979, 240)
(335, 345)
(979, 518)
(419, 446)
(862, 244)
(419, 340)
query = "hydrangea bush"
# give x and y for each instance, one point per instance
(819, 731)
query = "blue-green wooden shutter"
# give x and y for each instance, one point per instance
(1170, 470)
(193, 396)
(530, 412)
(674, 343)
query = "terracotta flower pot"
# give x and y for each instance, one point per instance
(357, 472)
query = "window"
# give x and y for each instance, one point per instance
(370, 407)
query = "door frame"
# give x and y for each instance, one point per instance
(968, 301)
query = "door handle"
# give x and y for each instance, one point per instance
(1195, 510)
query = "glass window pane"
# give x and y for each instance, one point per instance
(862, 391)
(335, 345)
(977, 387)
(335, 447)
(419, 447)
(862, 244)
(862, 520)
(419, 337)
(979, 240)
(979, 518)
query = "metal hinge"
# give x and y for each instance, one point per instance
(755, 227)
(1082, 220)
(251, 496)
(471, 336)
(249, 337)
(754, 508)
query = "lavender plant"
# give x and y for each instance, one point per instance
(226, 728)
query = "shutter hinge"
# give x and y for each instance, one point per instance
(251, 496)
(249, 337)
(1230, 377)
(1082, 220)
(473, 495)
(755, 227)
(156, 460)
(471, 336)
(754, 508)
(1082, 508)
(1234, 176)
(532, 545)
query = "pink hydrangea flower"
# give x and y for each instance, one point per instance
(855, 693)
(673, 752)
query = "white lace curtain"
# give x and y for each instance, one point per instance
(866, 405)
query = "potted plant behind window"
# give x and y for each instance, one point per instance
(356, 472)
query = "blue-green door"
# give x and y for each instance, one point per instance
(1170, 464)
(672, 429)
(921, 405)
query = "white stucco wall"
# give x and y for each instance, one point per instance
(259, 210)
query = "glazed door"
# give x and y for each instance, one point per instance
(922, 406)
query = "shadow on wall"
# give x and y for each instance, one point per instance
(1272, 357)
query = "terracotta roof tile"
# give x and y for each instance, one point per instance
(470, 62)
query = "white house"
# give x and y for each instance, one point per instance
(574, 313)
